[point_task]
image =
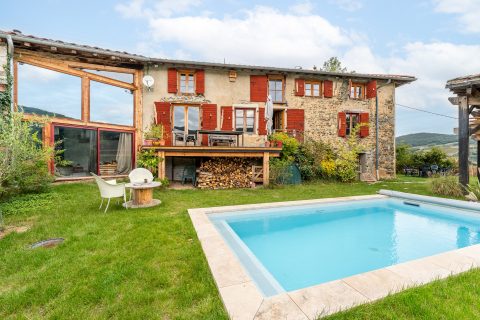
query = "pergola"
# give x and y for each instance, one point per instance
(467, 91)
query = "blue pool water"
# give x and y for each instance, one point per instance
(290, 248)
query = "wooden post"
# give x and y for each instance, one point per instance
(266, 168)
(478, 159)
(463, 140)
(161, 165)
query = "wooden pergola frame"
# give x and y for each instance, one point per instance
(467, 90)
(73, 68)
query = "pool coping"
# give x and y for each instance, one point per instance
(243, 300)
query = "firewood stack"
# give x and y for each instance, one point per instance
(225, 173)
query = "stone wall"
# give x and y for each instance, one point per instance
(320, 113)
(3, 62)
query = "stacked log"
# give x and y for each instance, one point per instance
(225, 173)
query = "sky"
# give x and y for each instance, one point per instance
(433, 40)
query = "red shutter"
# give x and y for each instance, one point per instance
(299, 87)
(342, 124)
(372, 89)
(227, 118)
(209, 120)
(364, 125)
(163, 117)
(258, 88)
(262, 123)
(296, 122)
(200, 82)
(328, 89)
(172, 80)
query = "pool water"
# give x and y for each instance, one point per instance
(289, 248)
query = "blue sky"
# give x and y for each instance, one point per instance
(433, 40)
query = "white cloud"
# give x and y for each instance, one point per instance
(348, 5)
(467, 10)
(261, 36)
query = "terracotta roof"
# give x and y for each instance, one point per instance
(21, 39)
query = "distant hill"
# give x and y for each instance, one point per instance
(446, 142)
(427, 139)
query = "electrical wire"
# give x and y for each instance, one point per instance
(434, 113)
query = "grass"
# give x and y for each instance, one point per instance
(148, 263)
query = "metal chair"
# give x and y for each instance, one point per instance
(189, 172)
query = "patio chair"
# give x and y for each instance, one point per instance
(138, 176)
(110, 189)
(189, 173)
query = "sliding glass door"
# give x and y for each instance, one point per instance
(85, 150)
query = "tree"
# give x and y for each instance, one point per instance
(333, 65)
(6, 96)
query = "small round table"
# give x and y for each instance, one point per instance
(143, 195)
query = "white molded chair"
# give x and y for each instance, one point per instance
(110, 189)
(138, 176)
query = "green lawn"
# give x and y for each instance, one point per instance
(148, 263)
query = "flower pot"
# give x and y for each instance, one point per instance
(148, 142)
(279, 143)
(267, 144)
(156, 143)
(162, 142)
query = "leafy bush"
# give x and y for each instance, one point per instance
(312, 157)
(446, 186)
(148, 159)
(279, 171)
(473, 191)
(407, 157)
(289, 147)
(328, 169)
(23, 161)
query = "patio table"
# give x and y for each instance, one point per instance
(143, 195)
(224, 133)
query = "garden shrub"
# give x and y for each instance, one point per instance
(328, 169)
(407, 157)
(289, 147)
(23, 160)
(446, 186)
(279, 171)
(313, 158)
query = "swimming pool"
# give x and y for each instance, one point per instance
(293, 247)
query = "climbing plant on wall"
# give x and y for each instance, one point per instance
(6, 96)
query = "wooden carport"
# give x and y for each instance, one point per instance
(467, 91)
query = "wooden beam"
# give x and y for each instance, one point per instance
(85, 99)
(161, 165)
(266, 168)
(474, 100)
(475, 129)
(463, 141)
(478, 159)
(64, 121)
(454, 100)
(64, 68)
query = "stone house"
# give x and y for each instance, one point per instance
(100, 109)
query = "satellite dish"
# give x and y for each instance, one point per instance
(148, 81)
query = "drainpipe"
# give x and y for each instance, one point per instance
(10, 53)
(376, 130)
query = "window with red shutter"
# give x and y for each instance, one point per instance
(342, 124)
(258, 88)
(200, 82)
(262, 123)
(299, 87)
(209, 120)
(328, 89)
(372, 89)
(364, 124)
(227, 118)
(296, 122)
(172, 80)
(163, 116)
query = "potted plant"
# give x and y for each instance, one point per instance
(155, 136)
(148, 159)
